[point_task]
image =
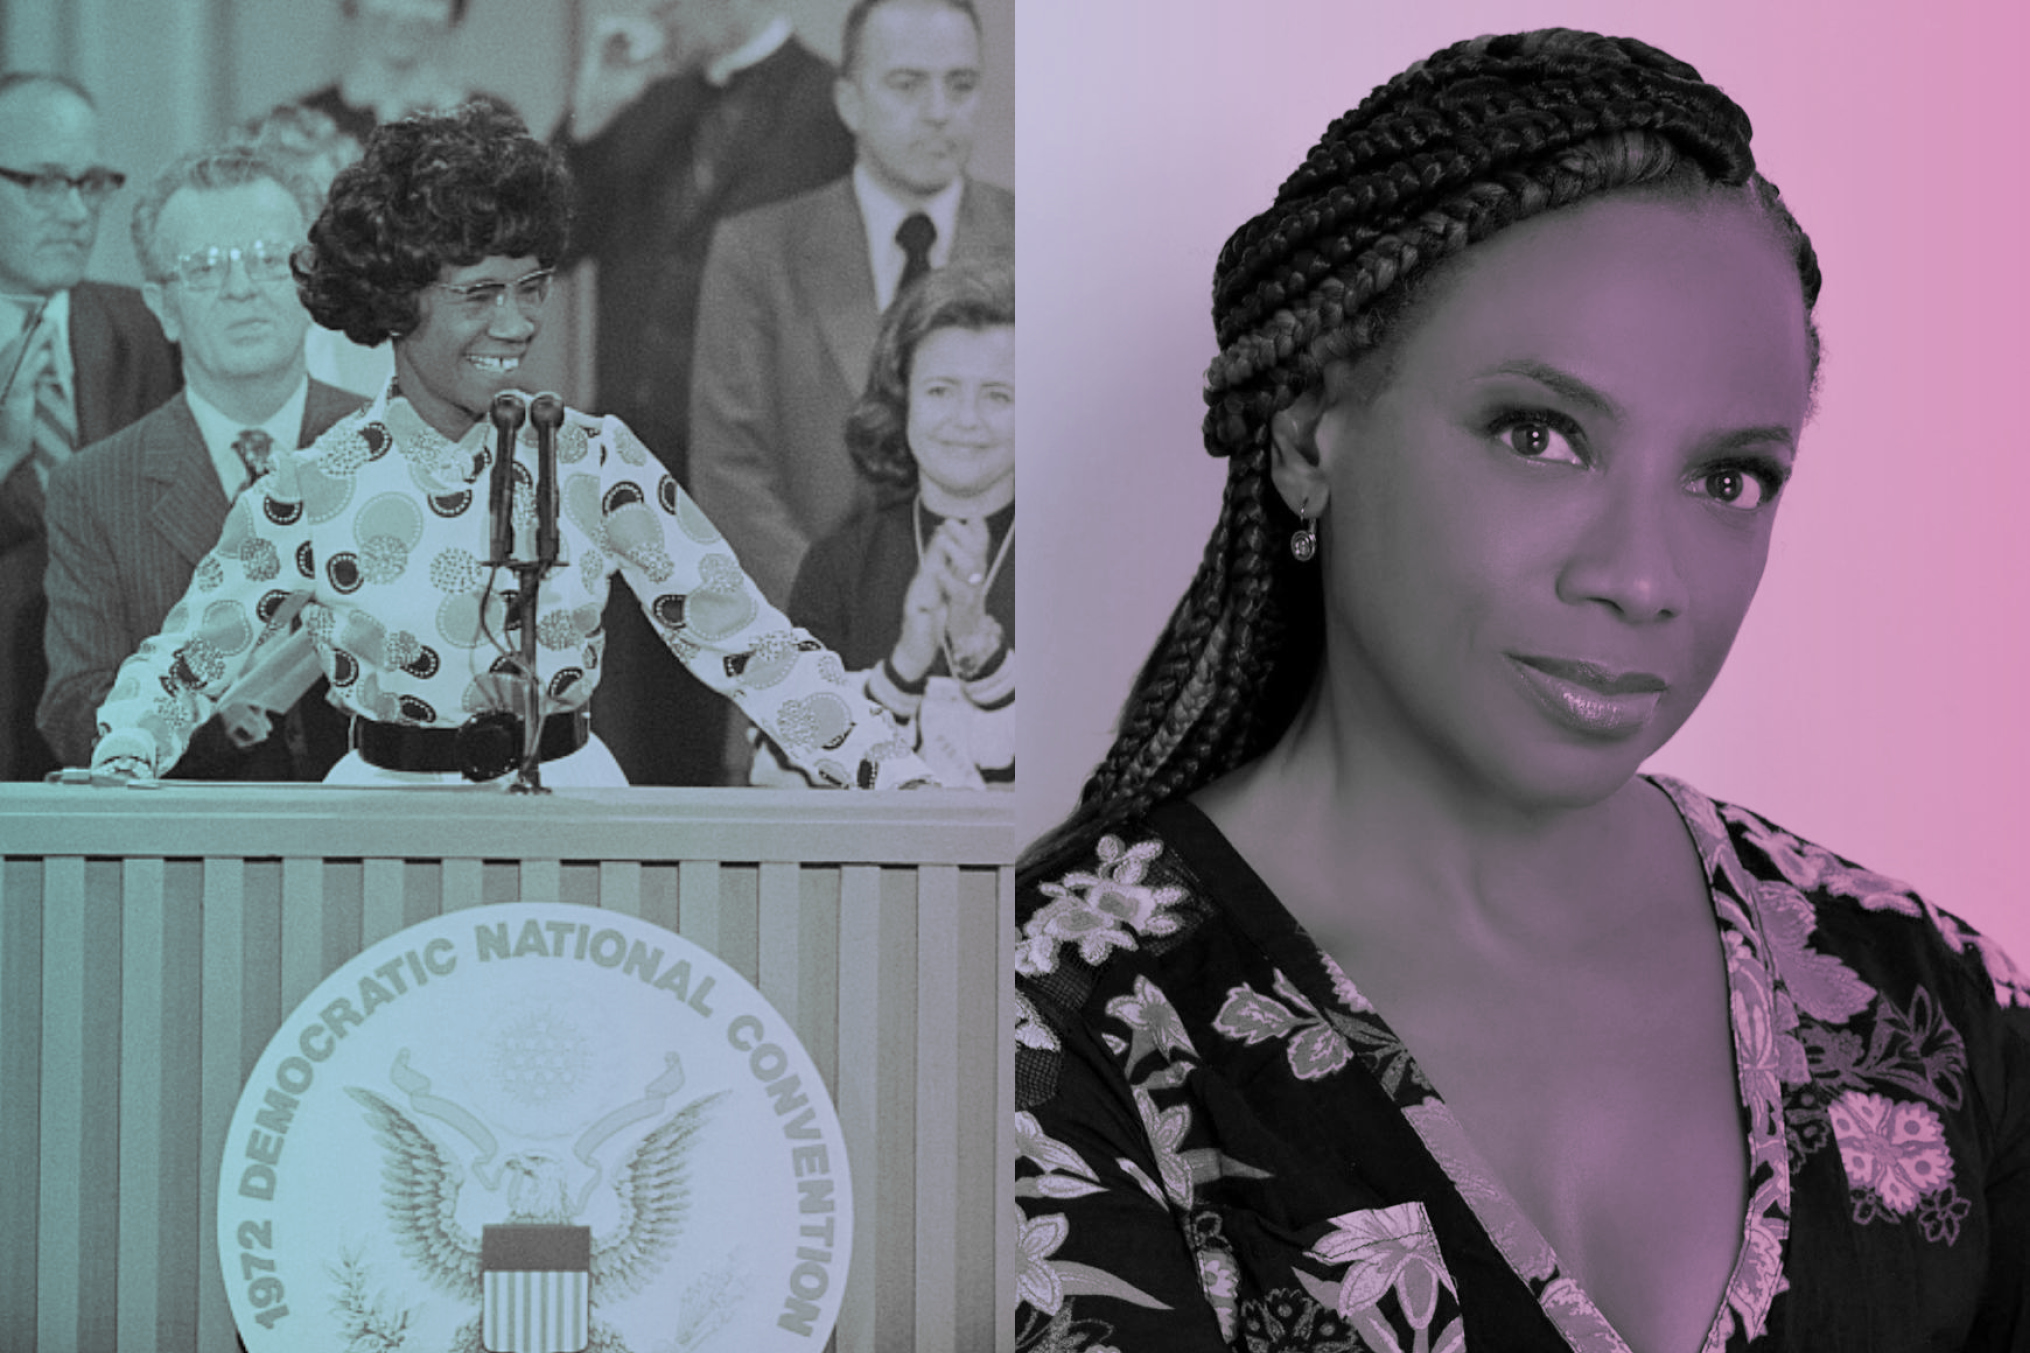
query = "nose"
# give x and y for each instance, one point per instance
(966, 410)
(238, 281)
(1624, 556)
(937, 103)
(71, 205)
(511, 322)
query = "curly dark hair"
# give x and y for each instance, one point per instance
(430, 193)
(1481, 135)
(967, 294)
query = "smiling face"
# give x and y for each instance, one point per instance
(44, 246)
(466, 349)
(911, 95)
(244, 328)
(961, 425)
(1543, 530)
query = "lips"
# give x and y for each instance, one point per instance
(495, 364)
(1595, 677)
(1588, 698)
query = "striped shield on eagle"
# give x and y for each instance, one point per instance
(536, 1288)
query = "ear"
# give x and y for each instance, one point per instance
(157, 301)
(1295, 466)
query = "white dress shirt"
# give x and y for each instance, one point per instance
(17, 413)
(284, 429)
(884, 214)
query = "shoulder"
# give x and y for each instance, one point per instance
(837, 558)
(1105, 895)
(123, 451)
(986, 221)
(346, 444)
(773, 221)
(1814, 904)
(117, 307)
(1103, 918)
(110, 298)
(794, 63)
(988, 200)
(326, 405)
(869, 526)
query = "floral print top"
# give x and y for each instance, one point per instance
(378, 532)
(1221, 1145)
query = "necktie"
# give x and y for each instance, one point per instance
(916, 234)
(54, 434)
(255, 449)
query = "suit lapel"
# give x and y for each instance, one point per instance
(190, 507)
(829, 255)
(976, 233)
(92, 343)
(325, 406)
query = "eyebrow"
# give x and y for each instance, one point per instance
(1579, 392)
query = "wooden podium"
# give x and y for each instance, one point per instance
(152, 939)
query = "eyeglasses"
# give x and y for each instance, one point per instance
(480, 298)
(205, 269)
(46, 187)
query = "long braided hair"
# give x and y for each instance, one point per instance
(1481, 135)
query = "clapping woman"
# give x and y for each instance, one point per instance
(1371, 999)
(442, 241)
(918, 592)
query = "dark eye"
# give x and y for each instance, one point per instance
(1740, 486)
(1539, 436)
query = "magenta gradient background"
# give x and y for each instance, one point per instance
(1876, 699)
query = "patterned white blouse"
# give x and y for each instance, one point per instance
(378, 535)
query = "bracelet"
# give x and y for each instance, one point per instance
(133, 766)
(915, 687)
(978, 652)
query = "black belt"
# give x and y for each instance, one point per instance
(488, 746)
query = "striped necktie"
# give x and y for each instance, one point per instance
(54, 433)
(255, 449)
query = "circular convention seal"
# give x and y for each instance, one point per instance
(535, 1128)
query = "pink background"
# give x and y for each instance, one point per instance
(1875, 701)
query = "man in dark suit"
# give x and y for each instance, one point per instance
(794, 292)
(130, 518)
(715, 109)
(78, 361)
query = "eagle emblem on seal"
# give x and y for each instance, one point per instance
(535, 1277)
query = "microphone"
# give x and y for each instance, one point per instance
(508, 413)
(546, 411)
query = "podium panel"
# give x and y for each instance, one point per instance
(152, 940)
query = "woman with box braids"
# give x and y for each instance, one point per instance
(1484, 134)
(1370, 998)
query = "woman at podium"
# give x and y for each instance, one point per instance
(407, 541)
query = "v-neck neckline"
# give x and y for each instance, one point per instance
(1752, 1017)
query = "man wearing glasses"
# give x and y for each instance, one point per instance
(129, 519)
(78, 361)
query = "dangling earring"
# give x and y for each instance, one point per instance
(1304, 541)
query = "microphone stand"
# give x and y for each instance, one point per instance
(546, 412)
(508, 413)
